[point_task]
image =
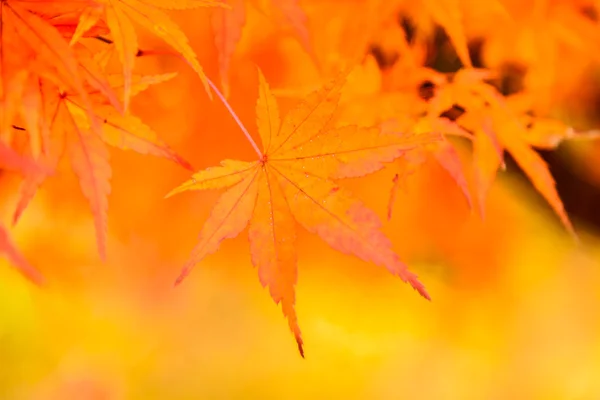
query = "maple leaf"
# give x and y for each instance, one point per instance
(8, 249)
(291, 183)
(400, 107)
(119, 16)
(28, 39)
(227, 28)
(499, 125)
(35, 35)
(87, 147)
(30, 100)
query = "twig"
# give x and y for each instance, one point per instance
(236, 118)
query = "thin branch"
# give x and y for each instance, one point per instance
(236, 118)
(103, 39)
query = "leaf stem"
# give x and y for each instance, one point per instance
(236, 118)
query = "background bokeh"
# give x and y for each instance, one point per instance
(515, 310)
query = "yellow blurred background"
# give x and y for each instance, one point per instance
(515, 311)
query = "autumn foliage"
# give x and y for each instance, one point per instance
(395, 84)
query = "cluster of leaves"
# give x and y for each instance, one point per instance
(57, 94)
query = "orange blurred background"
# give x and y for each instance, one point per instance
(515, 309)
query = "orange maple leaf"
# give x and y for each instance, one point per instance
(501, 124)
(291, 183)
(227, 26)
(403, 108)
(119, 15)
(29, 40)
(87, 145)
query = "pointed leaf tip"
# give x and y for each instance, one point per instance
(413, 280)
(422, 291)
(8, 250)
(183, 274)
(300, 348)
(177, 190)
(185, 164)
